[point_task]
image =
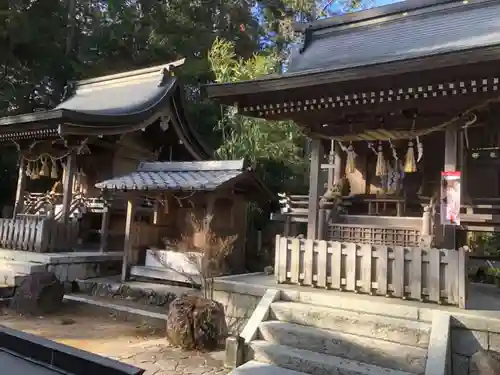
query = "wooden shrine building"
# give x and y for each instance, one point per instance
(104, 127)
(199, 206)
(390, 98)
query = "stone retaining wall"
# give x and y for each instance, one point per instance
(239, 303)
(470, 335)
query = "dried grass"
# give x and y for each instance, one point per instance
(205, 250)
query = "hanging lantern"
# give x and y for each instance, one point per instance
(53, 170)
(410, 164)
(381, 168)
(350, 166)
(44, 170)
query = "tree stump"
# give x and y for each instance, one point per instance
(39, 293)
(196, 323)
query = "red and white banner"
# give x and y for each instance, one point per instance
(450, 198)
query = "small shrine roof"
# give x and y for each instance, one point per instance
(387, 40)
(112, 105)
(183, 176)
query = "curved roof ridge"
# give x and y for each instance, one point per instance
(130, 75)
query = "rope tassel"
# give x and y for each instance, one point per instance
(381, 168)
(410, 164)
(350, 166)
(53, 170)
(44, 170)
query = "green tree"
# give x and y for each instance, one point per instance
(273, 146)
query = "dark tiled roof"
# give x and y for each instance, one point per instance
(130, 97)
(190, 176)
(420, 33)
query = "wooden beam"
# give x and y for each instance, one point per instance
(69, 173)
(314, 188)
(21, 185)
(105, 228)
(450, 165)
(127, 251)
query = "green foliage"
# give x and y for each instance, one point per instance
(270, 145)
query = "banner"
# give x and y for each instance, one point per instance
(450, 198)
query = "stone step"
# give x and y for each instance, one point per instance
(259, 368)
(396, 330)
(21, 267)
(314, 363)
(373, 351)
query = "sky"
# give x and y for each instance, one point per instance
(337, 7)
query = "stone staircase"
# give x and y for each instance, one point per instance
(303, 338)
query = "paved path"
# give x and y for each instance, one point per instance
(129, 342)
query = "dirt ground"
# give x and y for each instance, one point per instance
(136, 344)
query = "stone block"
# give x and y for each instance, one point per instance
(234, 352)
(467, 342)
(237, 305)
(494, 341)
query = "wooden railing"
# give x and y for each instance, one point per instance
(434, 275)
(38, 234)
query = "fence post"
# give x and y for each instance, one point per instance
(42, 235)
(463, 279)
(277, 257)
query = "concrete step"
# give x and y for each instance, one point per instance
(314, 363)
(258, 368)
(373, 351)
(396, 330)
(22, 267)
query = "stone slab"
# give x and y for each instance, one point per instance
(20, 267)
(377, 352)
(439, 351)
(54, 258)
(357, 323)
(260, 314)
(258, 368)
(314, 363)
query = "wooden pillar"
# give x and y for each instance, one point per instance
(68, 178)
(450, 165)
(209, 211)
(157, 213)
(337, 174)
(21, 184)
(462, 162)
(314, 189)
(105, 227)
(127, 251)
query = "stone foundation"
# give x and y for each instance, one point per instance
(239, 303)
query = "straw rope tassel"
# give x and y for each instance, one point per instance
(410, 164)
(53, 170)
(350, 165)
(44, 170)
(381, 168)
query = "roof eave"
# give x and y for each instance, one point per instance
(227, 93)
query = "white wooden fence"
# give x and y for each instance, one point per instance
(434, 275)
(37, 234)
